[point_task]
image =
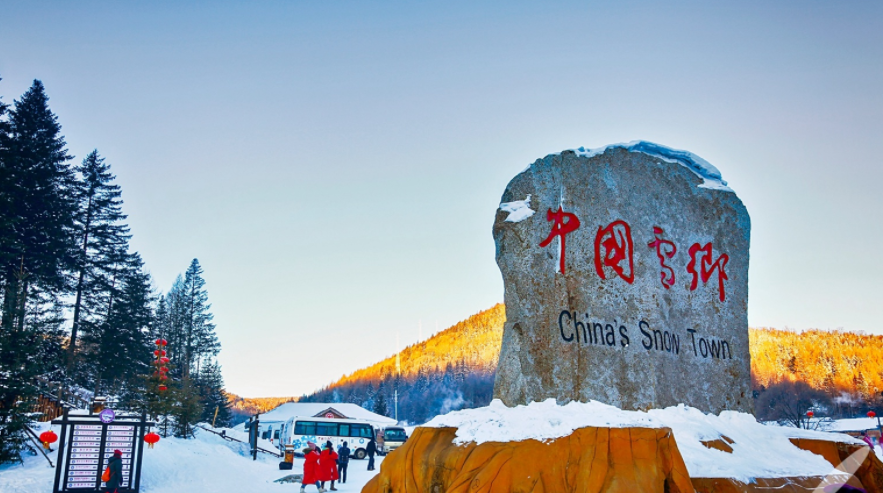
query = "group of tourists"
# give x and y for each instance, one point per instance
(326, 465)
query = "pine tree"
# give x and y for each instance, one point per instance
(213, 396)
(100, 233)
(171, 325)
(120, 345)
(380, 405)
(187, 408)
(185, 321)
(37, 247)
(35, 253)
(7, 203)
(199, 332)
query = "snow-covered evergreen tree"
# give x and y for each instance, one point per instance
(36, 214)
(213, 396)
(100, 233)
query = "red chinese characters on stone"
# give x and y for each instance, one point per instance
(665, 249)
(613, 249)
(707, 267)
(564, 224)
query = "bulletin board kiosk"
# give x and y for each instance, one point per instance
(86, 444)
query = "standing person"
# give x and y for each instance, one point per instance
(328, 466)
(115, 464)
(371, 449)
(868, 440)
(343, 460)
(311, 464)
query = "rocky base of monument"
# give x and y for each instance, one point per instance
(593, 447)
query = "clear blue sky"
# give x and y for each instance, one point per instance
(336, 166)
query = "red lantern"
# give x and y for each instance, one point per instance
(162, 387)
(871, 414)
(159, 352)
(164, 360)
(163, 377)
(48, 437)
(809, 414)
(161, 342)
(164, 369)
(151, 438)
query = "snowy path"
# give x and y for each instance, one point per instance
(207, 463)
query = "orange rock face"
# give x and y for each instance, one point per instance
(591, 460)
(608, 460)
(722, 444)
(869, 472)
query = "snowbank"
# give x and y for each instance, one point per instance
(759, 451)
(518, 210)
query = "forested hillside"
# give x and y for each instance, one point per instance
(243, 408)
(839, 373)
(452, 370)
(830, 361)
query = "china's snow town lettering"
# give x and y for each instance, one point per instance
(626, 281)
(617, 336)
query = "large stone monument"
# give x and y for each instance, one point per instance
(626, 281)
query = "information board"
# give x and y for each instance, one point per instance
(90, 446)
(120, 437)
(85, 447)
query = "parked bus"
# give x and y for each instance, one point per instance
(299, 431)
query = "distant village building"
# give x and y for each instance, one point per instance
(270, 423)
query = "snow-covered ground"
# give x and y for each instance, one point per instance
(210, 463)
(206, 463)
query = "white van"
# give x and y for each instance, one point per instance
(299, 431)
(393, 438)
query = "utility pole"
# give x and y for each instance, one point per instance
(253, 436)
(398, 373)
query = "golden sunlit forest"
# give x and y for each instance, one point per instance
(474, 342)
(837, 371)
(834, 362)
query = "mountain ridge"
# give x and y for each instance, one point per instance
(455, 369)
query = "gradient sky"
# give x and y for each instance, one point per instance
(336, 166)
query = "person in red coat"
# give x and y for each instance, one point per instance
(311, 470)
(328, 466)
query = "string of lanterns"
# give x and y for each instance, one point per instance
(160, 362)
